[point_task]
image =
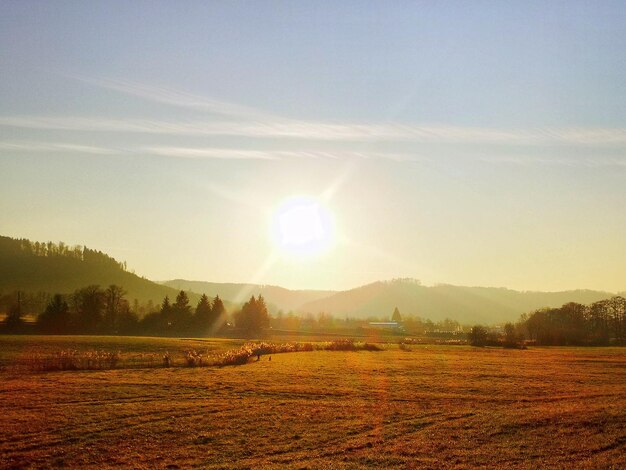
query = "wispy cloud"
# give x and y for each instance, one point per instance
(316, 131)
(196, 152)
(177, 98)
(221, 153)
(595, 161)
(265, 124)
(26, 146)
(240, 154)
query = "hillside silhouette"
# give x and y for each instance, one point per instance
(57, 268)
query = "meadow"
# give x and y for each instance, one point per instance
(426, 406)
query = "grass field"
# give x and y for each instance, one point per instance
(432, 406)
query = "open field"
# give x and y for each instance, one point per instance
(432, 406)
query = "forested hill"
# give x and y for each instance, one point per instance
(58, 268)
(277, 298)
(463, 304)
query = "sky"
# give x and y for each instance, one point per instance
(470, 143)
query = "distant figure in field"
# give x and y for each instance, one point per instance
(258, 357)
(270, 358)
(166, 360)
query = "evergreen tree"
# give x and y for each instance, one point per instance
(203, 315)
(165, 315)
(253, 316)
(181, 313)
(396, 315)
(165, 305)
(218, 314)
(262, 315)
(182, 302)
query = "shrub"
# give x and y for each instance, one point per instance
(341, 345)
(350, 345)
(73, 360)
(193, 358)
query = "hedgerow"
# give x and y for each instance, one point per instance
(100, 360)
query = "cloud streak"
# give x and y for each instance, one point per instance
(266, 124)
(56, 147)
(235, 154)
(202, 153)
(317, 131)
(241, 154)
(178, 98)
(195, 152)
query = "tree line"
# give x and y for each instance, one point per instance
(94, 310)
(598, 324)
(24, 247)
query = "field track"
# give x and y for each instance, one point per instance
(433, 406)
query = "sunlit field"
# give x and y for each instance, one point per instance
(433, 406)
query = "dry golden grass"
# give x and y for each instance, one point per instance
(433, 406)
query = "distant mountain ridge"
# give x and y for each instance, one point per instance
(46, 267)
(464, 304)
(461, 303)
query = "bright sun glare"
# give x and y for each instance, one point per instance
(302, 226)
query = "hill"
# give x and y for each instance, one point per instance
(57, 268)
(464, 304)
(277, 298)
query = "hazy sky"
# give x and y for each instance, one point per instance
(475, 143)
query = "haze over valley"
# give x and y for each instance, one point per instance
(327, 234)
(21, 269)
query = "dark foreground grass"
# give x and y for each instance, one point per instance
(428, 407)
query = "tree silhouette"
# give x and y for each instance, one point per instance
(56, 318)
(203, 315)
(262, 315)
(218, 314)
(165, 315)
(602, 322)
(115, 303)
(89, 303)
(181, 313)
(165, 305)
(511, 337)
(396, 315)
(253, 316)
(478, 336)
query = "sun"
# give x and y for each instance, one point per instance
(302, 226)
